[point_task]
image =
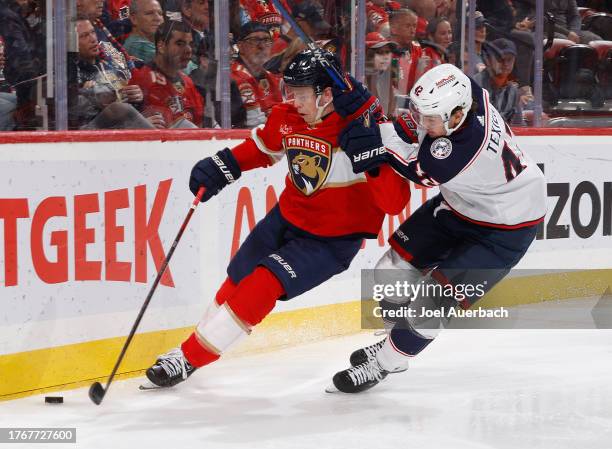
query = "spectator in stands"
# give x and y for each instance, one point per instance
(146, 17)
(448, 9)
(499, 14)
(196, 14)
(25, 58)
(406, 57)
(110, 47)
(444, 8)
(480, 37)
(309, 16)
(119, 9)
(204, 77)
(262, 11)
(116, 18)
(90, 9)
(259, 88)
(172, 9)
(102, 99)
(439, 37)
(567, 19)
(497, 79)
(171, 100)
(380, 77)
(425, 9)
(8, 99)
(378, 15)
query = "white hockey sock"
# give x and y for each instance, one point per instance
(222, 330)
(390, 359)
(210, 311)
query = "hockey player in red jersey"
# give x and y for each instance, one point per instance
(464, 240)
(312, 234)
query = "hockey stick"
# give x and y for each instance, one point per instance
(97, 391)
(331, 70)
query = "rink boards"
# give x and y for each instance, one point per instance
(84, 224)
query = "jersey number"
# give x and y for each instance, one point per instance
(513, 165)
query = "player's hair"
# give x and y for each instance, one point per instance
(473, 108)
(164, 32)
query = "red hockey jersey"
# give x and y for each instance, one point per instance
(174, 99)
(322, 195)
(410, 67)
(256, 93)
(118, 9)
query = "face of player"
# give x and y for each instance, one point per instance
(434, 124)
(88, 41)
(305, 101)
(403, 29)
(176, 53)
(91, 9)
(382, 58)
(443, 35)
(148, 18)
(255, 49)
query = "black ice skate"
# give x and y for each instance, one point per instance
(358, 378)
(169, 369)
(361, 356)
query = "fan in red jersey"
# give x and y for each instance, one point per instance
(259, 88)
(170, 97)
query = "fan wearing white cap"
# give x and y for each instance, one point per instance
(466, 237)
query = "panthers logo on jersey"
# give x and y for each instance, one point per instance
(309, 161)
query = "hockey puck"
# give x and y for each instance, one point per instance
(54, 399)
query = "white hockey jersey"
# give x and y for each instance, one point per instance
(482, 174)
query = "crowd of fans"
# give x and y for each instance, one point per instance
(151, 63)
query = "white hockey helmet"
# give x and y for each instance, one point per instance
(438, 92)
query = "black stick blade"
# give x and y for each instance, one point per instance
(96, 393)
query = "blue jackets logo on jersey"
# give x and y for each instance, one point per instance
(309, 161)
(441, 148)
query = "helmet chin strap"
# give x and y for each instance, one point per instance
(320, 108)
(452, 130)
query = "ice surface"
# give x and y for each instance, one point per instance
(514, 389)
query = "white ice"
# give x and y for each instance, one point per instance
(514, 389)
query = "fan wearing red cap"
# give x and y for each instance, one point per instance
(262, 11)
(380, 77)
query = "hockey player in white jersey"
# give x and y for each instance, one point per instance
(492, 197)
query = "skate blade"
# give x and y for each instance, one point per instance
(148, 385)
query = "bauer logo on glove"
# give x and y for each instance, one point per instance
(368, 154)
(224, 170)
(363, 145)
